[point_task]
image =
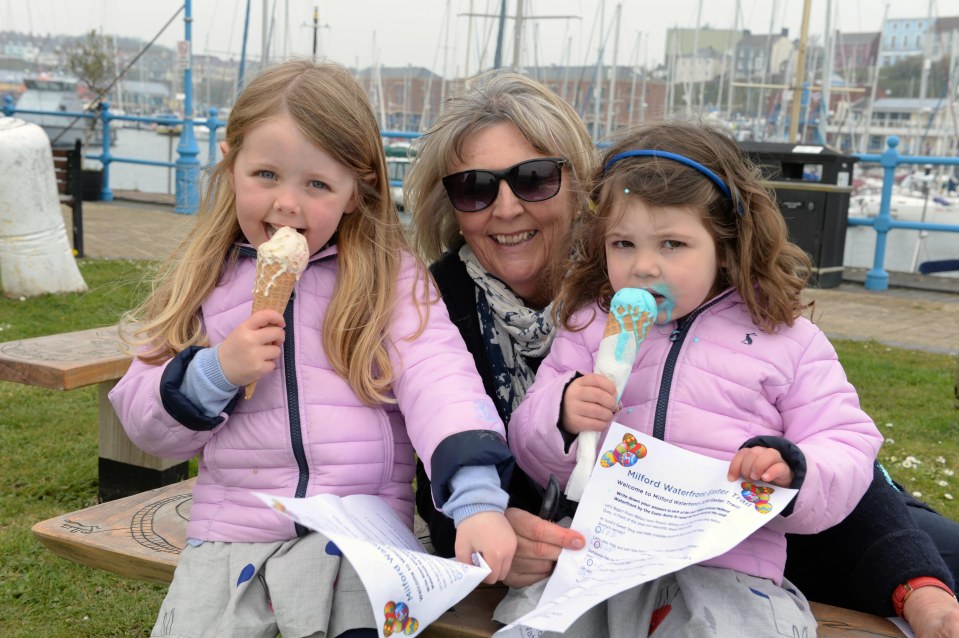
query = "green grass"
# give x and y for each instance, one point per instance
(910, 396)
(48, 452)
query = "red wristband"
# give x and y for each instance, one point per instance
(902, 592)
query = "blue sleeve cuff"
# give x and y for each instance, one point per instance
(791, 454)
(205, 385)
(476, 489)
(177, 404)
(473, 447)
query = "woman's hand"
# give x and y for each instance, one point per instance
(932, 613)
(589, 403)
(490, 534)
(251, 350)
(538, 546)
(760, 464)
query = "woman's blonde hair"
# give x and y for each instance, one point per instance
(331, 110)
(757, 257)
(549, 123)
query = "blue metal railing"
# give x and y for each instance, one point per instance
(186, 165)
(877, 278)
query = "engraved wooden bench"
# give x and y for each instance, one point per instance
(76, 359)
(141, 536)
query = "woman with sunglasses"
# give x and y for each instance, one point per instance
(496, 183)
(493, 191)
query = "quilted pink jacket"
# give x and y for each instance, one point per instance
(708, 385)
(305, 432)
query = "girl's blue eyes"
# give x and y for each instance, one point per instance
(313, 183)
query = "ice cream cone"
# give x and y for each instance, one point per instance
(614, 326)
(631, 313)
(279, 263)
(274, 286)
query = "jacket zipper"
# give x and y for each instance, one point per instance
(677, 337)
(293, 401)
(292, 392)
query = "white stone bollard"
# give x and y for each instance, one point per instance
(35, 253)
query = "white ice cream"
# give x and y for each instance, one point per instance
(287, 248)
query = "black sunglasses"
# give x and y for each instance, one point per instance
(534, 180)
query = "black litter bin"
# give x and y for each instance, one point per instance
(813, 185)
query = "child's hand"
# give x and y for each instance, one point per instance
(760, 464)
(490, 534)
(589, 403)
(251, 350)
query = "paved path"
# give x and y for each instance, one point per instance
(923, 314)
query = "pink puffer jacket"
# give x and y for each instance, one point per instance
(305, 432)
(709, 385)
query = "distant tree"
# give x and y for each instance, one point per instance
(91, 60)
(903, 78)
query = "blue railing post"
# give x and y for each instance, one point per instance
(877, 278)
(8, 105)
(187, 164)
(212, 123)
(106, 158)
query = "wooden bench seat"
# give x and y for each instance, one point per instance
(68, 170)
(141, 536)
(76, 359)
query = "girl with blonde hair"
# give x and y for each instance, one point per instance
(360, 370)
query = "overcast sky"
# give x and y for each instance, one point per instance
(400, 32)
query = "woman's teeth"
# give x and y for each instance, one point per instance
(512, 240)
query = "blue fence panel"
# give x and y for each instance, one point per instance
(877, 278)
(187, 166)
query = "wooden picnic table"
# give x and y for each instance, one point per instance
(77, 359)
(141, 537)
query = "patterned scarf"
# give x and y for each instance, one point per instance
(511, 332)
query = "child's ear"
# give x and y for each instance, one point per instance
(350, 205)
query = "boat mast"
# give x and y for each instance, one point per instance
(518, 36)
(761, 101)
(498, 57)
(926, 54)
(597, 84)
(634, 64)
(800, 73)
(867, 121)
(694, 59)
(469, 38)
(611, 98)
(732, 63)
(827, 75)
(264, 47)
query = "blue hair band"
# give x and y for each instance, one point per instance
(682, 159)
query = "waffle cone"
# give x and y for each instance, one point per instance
(274, 286)
(614, 328)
